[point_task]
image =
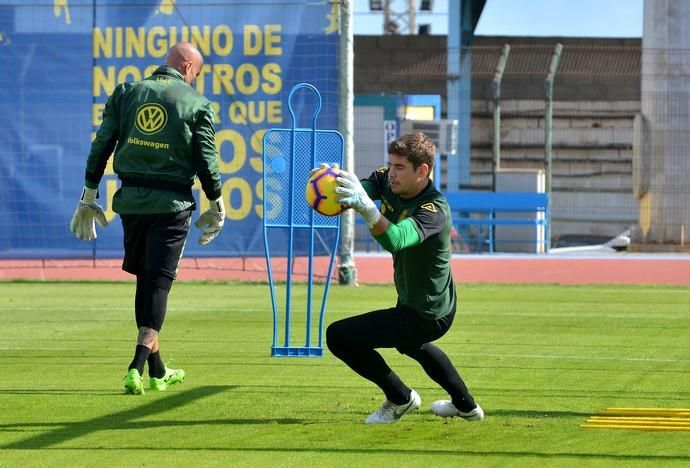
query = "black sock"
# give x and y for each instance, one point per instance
(395, 390)
(437, 365)
(156, 366)
(140, 356)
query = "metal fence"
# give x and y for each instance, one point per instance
(613, 144)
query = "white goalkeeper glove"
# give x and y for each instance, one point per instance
(88, 211)
(353, 194)
(211, 221)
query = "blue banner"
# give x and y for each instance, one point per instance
(60, 62)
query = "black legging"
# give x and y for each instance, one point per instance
(151, 299)
(354, 339)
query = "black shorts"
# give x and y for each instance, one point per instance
(154, 242)
(398, 327)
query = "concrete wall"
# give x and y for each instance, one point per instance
(665, 197)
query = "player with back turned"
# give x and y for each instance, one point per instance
(162, 132)
(414, 225)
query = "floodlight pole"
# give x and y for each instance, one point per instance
(496, 88)
(347, 272)
(548, 130)
(412, 18)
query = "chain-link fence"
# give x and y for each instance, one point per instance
(617, 131)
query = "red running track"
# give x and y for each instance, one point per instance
(516, 269)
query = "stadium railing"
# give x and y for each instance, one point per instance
(487, 210)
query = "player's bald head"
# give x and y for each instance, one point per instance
(186, 59)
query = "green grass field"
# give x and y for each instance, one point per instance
(539, 359)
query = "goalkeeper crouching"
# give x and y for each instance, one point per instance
(414, 225)
(162, 132)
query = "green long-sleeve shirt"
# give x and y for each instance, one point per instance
(161, 130)
(419, 240)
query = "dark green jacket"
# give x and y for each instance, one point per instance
(419, 239)
(162, 132)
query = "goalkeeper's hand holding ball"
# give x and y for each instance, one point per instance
(353, 194)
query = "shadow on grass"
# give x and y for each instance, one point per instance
(445, 455)
(122, 420)
(59, 391)
(131, 425)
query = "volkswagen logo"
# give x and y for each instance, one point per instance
(151, 118)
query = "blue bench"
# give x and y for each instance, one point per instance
(480, 209)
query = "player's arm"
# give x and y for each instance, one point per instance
(88, 212)
(426, 221)
(205, 159)
(358, 195)
(391, 236)
(204, 153)
(394, 237)
(105, 141)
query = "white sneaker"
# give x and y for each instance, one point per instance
(390, 412)
(446, 409)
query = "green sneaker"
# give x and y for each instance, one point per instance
(133, 383)
(171, 377)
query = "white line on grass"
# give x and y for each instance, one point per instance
(513, 356)
(574, 358)
(628, 315)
